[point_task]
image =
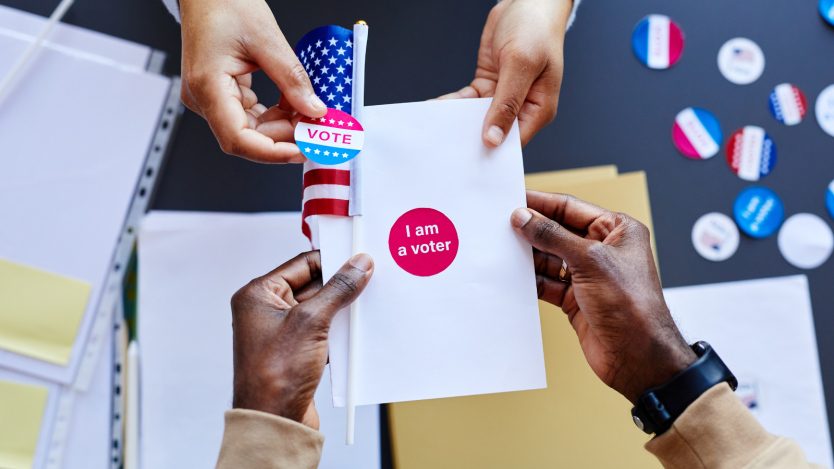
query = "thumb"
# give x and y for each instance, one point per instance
(341, 290)
(515, 77)
(548, 236)
(277, 59)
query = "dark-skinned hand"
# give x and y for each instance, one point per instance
(614, 301)
(281, 323)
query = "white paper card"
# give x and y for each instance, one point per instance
(764, 332)
(472, 328)
(190, 265)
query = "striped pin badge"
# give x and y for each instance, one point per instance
(333, 139)
(657, 42)
(751, 153)
(788, 104)
(697, 133)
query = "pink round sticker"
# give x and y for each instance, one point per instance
(423, 241)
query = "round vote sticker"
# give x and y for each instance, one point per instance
(827, 10)
(657, 42)
(751, 153)
(805, 241)
(829, 199)
(715, 236)
(825, 110)
(741, 61)
(788, 104)
(758, 211)
(697, 133)
(423, 241)
(333, 139)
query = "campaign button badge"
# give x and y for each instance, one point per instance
(827, 10)
(805, 241)
(788, 104)
(333, 139)
(423, 242)
(741, 61)
(697, 133)
(751, 153)
(758, 211)
(829, 199)
(825, 110)
(657, 42)
(715, 237)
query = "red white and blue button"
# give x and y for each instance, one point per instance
(788, 104)
(657, 42)
(333, 139)
(751, 153)
(697, 133)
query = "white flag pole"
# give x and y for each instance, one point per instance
(360, 42)
(30, 51)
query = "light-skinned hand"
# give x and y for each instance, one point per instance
(614, 301)
(281, 323)
(520, 66)
(223, 42)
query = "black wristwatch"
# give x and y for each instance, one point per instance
(658, 407)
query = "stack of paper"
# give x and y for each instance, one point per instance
(65, 187)
(190, 265)
(562, 425)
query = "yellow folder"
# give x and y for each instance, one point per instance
(21, 412)
(577, 422)
(40, 312)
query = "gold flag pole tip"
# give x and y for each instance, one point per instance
(361, 22)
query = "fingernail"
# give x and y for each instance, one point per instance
(362, 262)
(520, 217)
(316, 103)
(495, 135)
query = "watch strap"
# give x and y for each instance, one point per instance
(657, 408)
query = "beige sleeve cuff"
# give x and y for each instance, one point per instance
(717, 432)
(259, 440)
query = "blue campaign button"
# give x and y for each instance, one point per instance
(758, 211)
(827, 10)
(829, 197)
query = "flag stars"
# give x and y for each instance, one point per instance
(341, 69)
(347, 98)
(324, 70)
(341, 51)
(323, 88)
(325, 51)
(348, 43)
(339, 88)
(318, 44)
(316, 80)
(318, 62)
(348, 80)
(332, 60)
(338, 106)
(332, 41)
(330, 97)
(331, 78)
(309, 47)
(348, 61)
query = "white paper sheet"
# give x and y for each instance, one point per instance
(190, 265)
(473, 328)
(75, 129)
(764, 332)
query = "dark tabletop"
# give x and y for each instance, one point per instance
(613, 110)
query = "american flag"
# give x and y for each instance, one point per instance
(744, 55)
(327, 55)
